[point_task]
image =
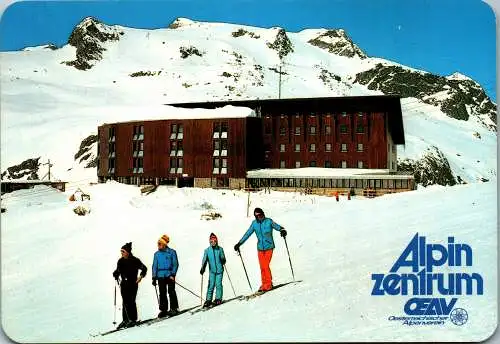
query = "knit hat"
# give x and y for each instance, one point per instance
(166, 238)
(258, 211)
(127, 247)
(213, 236)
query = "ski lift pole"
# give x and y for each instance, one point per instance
(230, 280)
(239, 253)
(290, 260)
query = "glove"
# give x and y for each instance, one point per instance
(116, 274)
(223, 261)
(283, 233)
(202, 271)
(237, 247)
(154, 281)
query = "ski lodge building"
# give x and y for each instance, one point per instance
(314, 145)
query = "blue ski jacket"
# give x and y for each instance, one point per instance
(214, 256)
(264, 232)
(165, 263)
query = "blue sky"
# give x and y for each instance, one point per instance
(438, 36)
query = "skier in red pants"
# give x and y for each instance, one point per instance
(263, 228)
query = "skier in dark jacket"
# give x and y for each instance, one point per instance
(263, 228)
(165, 265)
(127, 268)
(215, 258)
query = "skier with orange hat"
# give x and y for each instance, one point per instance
(215, 258)
(165, 265)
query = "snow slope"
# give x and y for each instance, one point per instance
(56, 266)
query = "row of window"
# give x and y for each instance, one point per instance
(328, 147)
(328, 164)
(331, 183)
(360, 129)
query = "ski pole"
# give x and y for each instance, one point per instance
(201, 291)
(229, 279)
(114, 316)
(293, 276)
(239, 253)
(157, 298)
(180, 285)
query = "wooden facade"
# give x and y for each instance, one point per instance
(347, 132)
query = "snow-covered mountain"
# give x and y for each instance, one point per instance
(53, 98)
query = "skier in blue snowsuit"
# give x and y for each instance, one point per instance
(165, 265)
(215, 258)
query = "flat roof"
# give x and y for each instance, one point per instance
(379, 103)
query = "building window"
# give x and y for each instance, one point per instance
(111, 133)
(312, 130)
(360, 129)
(312, 147)
(343, 147)
(282, 131)
(312, 163)
(297, 147)
(328, 147)
(138, 149)
(328, 130)
(176, 165)
(297, 130)
(267, 126)
(297, 164)
(220, 130)
(176, 131)
(344, 114)
(360, 164)
(394, 148)
(112, 150)
(138, 165)
(138, 132)
(360, 147)
(343, 128)
(343, 164)
(282, 164)
(360, 114)
(328, 163)
(111, 166)
(219, 166)
(282, 148)
(176, 148)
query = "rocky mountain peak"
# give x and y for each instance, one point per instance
(281, 44)
(458, 97)
(88, 37)
(337, 42)
(180, 22)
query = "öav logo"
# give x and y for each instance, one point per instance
(459, 316)
(414, 273)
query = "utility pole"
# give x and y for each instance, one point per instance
(50, 165)
(279, 87)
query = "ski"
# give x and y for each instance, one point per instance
(143, 322)
(156, 320)
(204, 309)
(259, 293)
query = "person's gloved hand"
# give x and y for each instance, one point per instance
(223, 261)
(154, 281)
(116, 274)
(283, 233)
(202, 271)
(237, 247)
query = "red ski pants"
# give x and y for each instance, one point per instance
(265, 271)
